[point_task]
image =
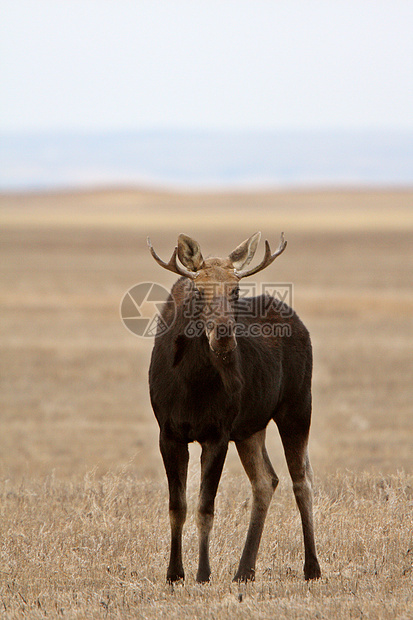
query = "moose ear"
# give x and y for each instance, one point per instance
(244, 253)
(189, 253)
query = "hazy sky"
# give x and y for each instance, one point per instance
(119, 64)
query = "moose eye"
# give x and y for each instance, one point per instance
(234, 295)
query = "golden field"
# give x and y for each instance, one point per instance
(83, 496)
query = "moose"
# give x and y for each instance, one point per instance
(213, 379)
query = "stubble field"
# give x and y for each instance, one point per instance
(83, 497)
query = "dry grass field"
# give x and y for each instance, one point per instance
(83, 497)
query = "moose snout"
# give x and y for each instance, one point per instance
(221, 337)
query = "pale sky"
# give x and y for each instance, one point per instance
(224, 64)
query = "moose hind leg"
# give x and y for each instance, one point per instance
(296, 453)
(212, 461)
(264, 481)
(175, 457)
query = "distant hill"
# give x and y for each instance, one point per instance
(201, 159)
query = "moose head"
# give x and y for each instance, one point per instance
(215, 283)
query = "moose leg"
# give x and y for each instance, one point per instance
(212, 461)
(263, 478)
(296, 453)
(175, 457)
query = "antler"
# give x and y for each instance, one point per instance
(173, 264)
(267, 260)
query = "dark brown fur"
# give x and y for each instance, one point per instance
(203, 389)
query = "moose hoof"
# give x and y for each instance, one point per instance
(245, 575)
(203, 577)
(174, 576)
(312, 571)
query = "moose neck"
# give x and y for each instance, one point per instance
(194, 356)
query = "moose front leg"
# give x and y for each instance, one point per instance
(175, 457)
(212, 461)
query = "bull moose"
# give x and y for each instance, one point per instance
(214, 380)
